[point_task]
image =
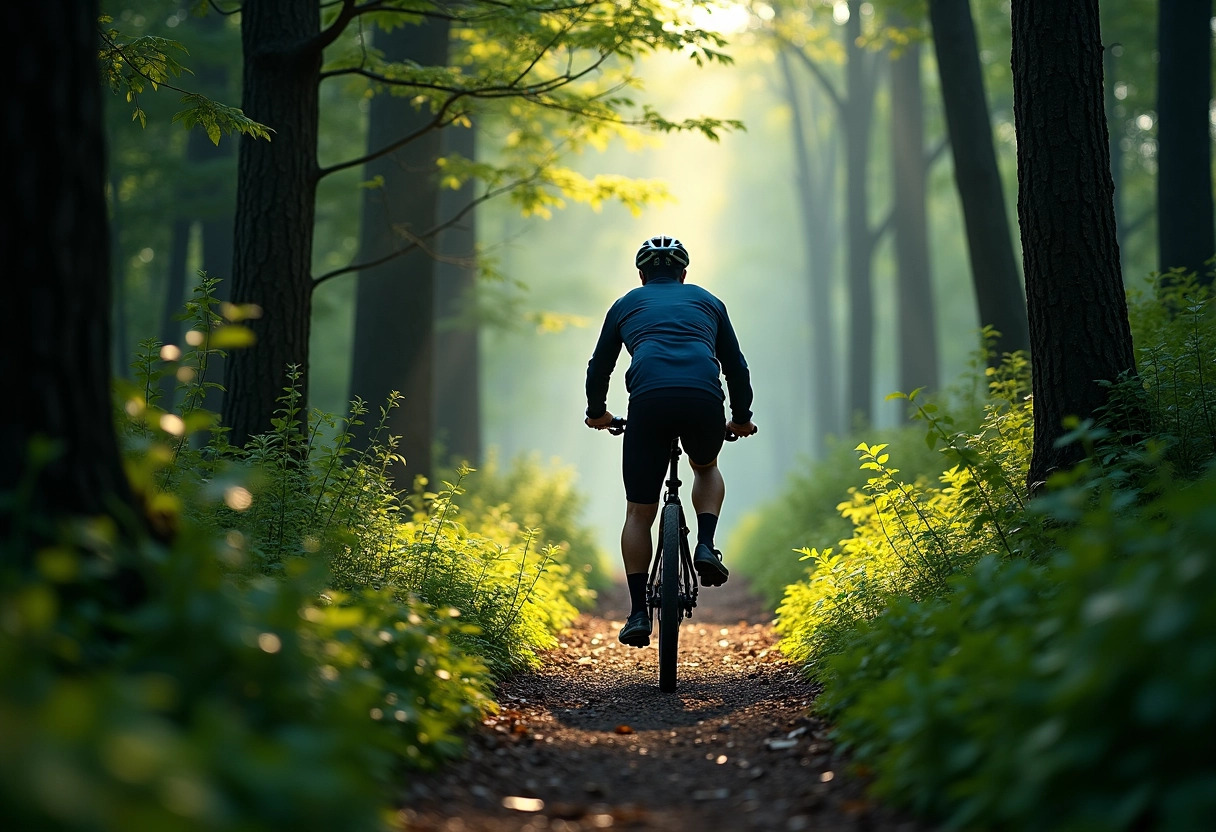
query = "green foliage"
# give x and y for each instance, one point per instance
(553, 81)
(767, 542)
(1172, 320)
(537, 496)
(292, 637)
(132, 65)
(214, 702)
(1052, 669)
(1066, 695)
(911, 535)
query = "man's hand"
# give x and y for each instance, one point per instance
(741, 430)
(601, 423)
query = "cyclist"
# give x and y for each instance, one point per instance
(680, 341)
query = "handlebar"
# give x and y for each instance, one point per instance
(617, 426)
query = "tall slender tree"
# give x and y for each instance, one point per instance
(998, 287)
(58, 452)
(394, 340)
(855, 111)
(916, 310)
(282, 42)
(1080, 336)
(457, 341)
(1186, 235)
(815, 162)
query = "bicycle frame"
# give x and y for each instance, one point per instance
(671, 588)
(688, 582)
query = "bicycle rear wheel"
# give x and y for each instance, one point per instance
(669, 596)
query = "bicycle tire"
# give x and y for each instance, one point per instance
(669, 597)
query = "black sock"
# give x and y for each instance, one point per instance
(637, 591)
(707, 524)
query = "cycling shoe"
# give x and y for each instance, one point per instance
(709, 566)
(636, 632)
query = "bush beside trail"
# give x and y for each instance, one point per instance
(294, 636)
(998, 662)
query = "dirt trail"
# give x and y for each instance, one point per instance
(589, 742)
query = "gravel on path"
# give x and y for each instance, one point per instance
(588, 741)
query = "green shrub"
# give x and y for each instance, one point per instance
(306, 639)
(536, 496)
(767, 541)
(1067, 695)
(217, 703)
(1053, 668)
(772, 544)
(910, 537)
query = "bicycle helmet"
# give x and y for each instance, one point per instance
(661, 250)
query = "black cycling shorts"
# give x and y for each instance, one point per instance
(698, 419)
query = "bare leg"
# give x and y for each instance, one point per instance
(636, 543)
(708, 488)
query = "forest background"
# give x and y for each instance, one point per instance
(547, 278)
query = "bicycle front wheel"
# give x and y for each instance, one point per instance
(669, 597)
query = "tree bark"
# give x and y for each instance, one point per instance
(457, 342)
(1077, 312)
(1186, 236)
(394, 347)
(917, 313)
(55, 326)
(1114, 127)
(998, 288)
(275, 208)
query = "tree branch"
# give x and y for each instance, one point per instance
(417, 240)
(817, 71)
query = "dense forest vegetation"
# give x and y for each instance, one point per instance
(262, 555)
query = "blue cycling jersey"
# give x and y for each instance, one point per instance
(679, 337)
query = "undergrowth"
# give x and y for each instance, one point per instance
(999, 663)
(301, 634)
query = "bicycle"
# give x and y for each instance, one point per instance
(671, 589)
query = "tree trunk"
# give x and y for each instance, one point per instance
(394, 347)
(858, 118)
(816, 195)
(917, 342)
(55, 327)
(1185, 232)
(119, 358)
(998, 288)
(457, 345)
(1078, 315)
(1114, 127)
(275, 208)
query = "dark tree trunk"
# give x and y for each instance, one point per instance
(1114, 127)
(1078, 315)
(858, 118)
(998, 288)
(816, 196)
(119, 359)
(394, 347)
(457, 350)
(917, 343)
(1185, 233)
(55, 327)
(275, 208)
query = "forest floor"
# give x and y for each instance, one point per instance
(588, 741)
